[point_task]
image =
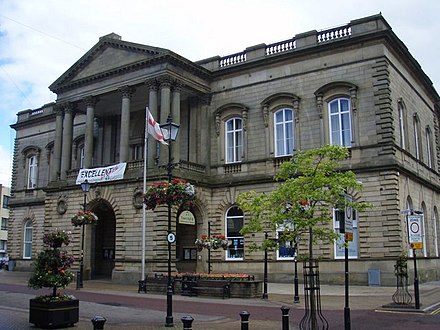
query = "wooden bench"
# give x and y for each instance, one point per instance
(221, 286)
(157, 284)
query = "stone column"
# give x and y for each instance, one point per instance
(56, 162)
(124, 138)
(88, 139)
(165, 93)
(175, 114)
(152, 104)
(66, 157)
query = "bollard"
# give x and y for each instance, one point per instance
(285, 318)
(187, 322)
(244, 320)
(98, 322)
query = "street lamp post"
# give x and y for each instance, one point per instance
(169, 131)
(265, 296)
(295, 277)
(85, 187)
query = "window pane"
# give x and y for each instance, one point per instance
(234, 223)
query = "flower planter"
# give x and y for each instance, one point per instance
(53, 314)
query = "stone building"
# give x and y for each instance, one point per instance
(240, 116)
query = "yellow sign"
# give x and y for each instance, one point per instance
(349, 236)
(418, 245)
(187, 218)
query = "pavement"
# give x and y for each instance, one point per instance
(125, 308)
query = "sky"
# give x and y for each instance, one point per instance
(40, 40)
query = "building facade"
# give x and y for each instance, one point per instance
(240, 117)
(4, 202)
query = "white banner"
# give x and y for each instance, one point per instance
(101, 174)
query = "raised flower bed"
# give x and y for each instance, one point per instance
(51, 270)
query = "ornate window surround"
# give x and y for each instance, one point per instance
(28, 153)
(329, 92)
(223, 114)
(272, 104)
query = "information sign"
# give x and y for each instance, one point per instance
(415, 234)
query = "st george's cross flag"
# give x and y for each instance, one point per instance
(153, 128)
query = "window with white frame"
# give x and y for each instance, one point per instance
(286, 247)
(402, 128)
(32, 172)
(234, 140)
(284, 135)
(138, 152)
(6, 201)
(27, 240)
(428, 147)
(234, 223)
(338, 217)
(3, 246)
(340, 122)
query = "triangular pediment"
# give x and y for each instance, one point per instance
(108, 55)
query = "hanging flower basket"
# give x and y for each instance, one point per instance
(84, 218)
(214, 243)
(57, 238)
(178, 192)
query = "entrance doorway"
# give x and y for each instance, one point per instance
(104, 241)
(186, 252)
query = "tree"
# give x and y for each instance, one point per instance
(313, 182)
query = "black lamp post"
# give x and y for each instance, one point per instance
(85, 187)
(265, 296)
(295, 277)
(169, 131)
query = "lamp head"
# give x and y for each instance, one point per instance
(85, 186)
(169, 130)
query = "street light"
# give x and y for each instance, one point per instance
(169, 132)
(85, 187)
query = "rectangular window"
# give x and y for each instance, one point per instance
(234, 140)
(283, 132)
(4, 224)
(138, 152)
(286, 247)
(340, 122)
(3, 246)
(5, 201)
(32, 172)
(338, 217)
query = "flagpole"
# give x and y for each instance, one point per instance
(144, 190)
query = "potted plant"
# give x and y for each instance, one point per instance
(51, 270)
(177, 192)
(215, 242)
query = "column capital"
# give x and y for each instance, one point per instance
(69, 107)
(152, 84)
(126, 91)
(58, 109)
(91, 101)
(165, 83)
(177, 86)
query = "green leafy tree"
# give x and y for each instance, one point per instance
(313, 182)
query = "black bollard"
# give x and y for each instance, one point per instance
(244, 320)
(187, 322)
(98, 322)
(285, 318)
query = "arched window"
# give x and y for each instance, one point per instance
(27, 240)
(429, 147)
(234, 223)
(234, 140)
(417, 139)
(402, 124)
(284, 135)
(340, 122)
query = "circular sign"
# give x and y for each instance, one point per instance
(171, 237)
(414, 227)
